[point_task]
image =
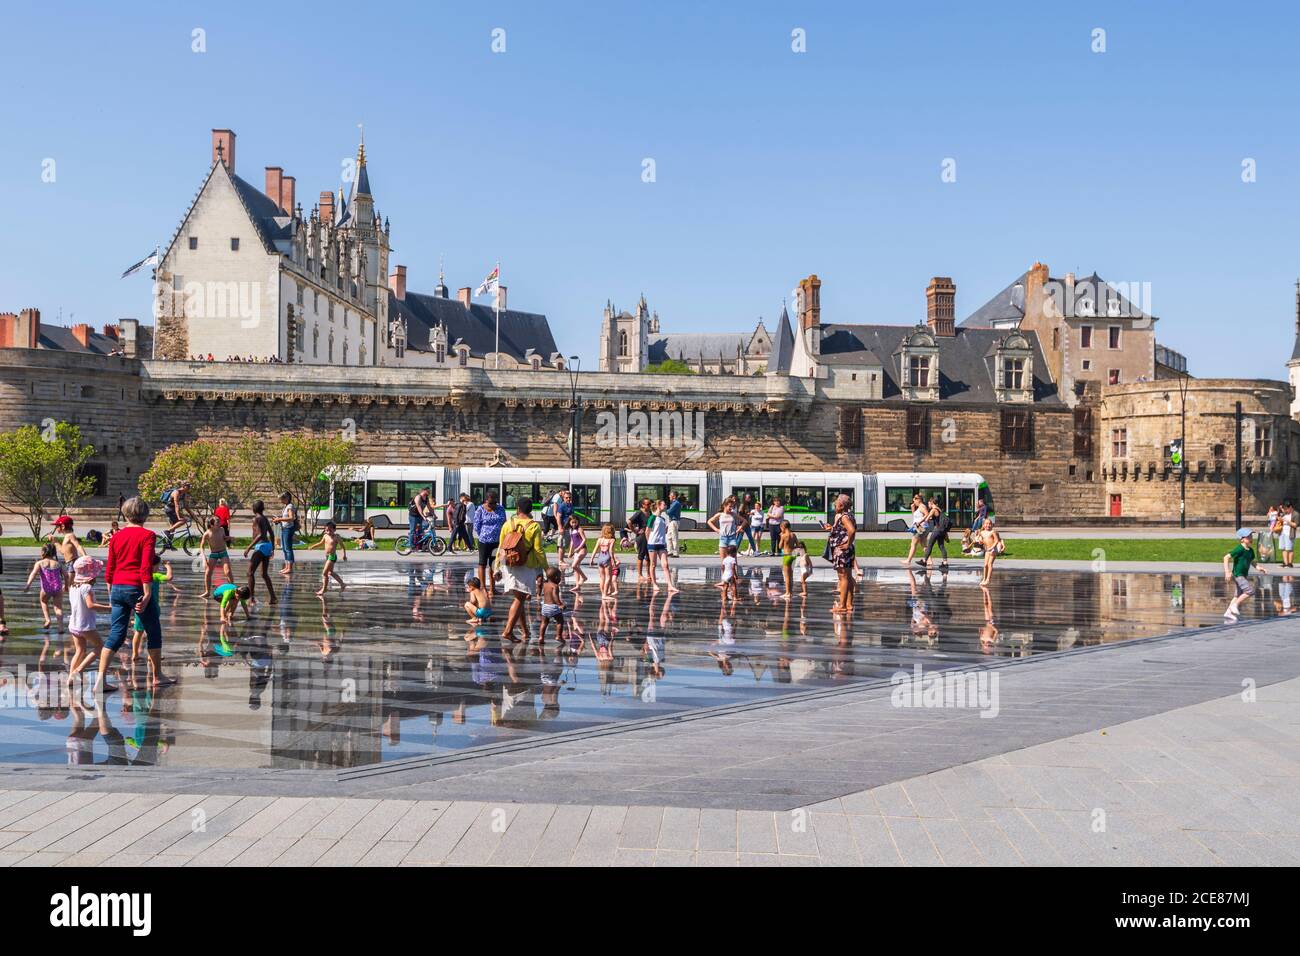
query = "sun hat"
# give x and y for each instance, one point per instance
(87, 568)
(1244, 533)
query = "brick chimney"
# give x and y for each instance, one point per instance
(1035, 293)
(22, 331)
(110, 331)
(810, 317)
(327, 207)
(288, 194)
(940, 306)
(225, 139)
(274, 182)
(501, 297)
(81, 332)
(463, 296)
(397, 282)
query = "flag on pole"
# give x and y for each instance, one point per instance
(490, 284)
(149, 260)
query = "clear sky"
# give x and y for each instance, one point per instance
(769, 164)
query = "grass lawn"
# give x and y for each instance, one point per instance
(1083, 549)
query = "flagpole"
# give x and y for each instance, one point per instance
(497, 305)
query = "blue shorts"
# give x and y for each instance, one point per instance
(728, 540)
(265, 548)
(482, 613)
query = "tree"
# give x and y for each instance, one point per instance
(205, 464)
(669, 367)
(297, 464)
(247, 471)
(65, 467)
(24, 466)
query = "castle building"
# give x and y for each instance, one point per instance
(1089, 330)
(1293, 366)
(249, 274)
(632, 342)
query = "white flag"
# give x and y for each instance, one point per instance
(490, 284)
(149, 260)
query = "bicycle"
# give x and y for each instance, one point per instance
(190, 541)
(427, 541)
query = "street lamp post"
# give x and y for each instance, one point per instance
(1182, 447)
(1237, 422)
(575, 407)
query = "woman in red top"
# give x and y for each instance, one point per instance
(129, 576)
(222, 514)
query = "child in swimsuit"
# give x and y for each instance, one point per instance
(552, 603)
(789, 544)
(218, 556)
(479, 603)
(991, 542)
(577, 551)
(603, 557)
(333, 544)
(51, 573)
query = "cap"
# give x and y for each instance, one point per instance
(1244, 533)
(61, 520)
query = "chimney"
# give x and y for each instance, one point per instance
(288, 194)
(130, 335)
(810, 316)
(397, 282)
(223, 141)
(327, 207)
(1035, 293)
(940, 306)
(463, 296)
(81, 332)
(27, 332)
(501, 297)
(110, 331)
(274, 182)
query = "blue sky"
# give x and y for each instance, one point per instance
(769, 164)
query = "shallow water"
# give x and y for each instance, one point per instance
(389, 669)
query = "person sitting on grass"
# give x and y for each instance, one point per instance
(1237, 565)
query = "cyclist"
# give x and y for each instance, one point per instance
(175, 503)
(420, 508)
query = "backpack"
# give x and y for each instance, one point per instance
(167, 495)
(515, 548)
(945, 522)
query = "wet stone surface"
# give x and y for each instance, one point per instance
(390, 669)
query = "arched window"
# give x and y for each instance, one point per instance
(464, 356)
(622, 343)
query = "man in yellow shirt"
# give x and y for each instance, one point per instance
(520, 580)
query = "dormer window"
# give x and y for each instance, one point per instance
(440, 353)
(918, 371)
(462, 355)
(1012, 368)
(537, 363)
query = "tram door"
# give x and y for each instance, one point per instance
(961, 506)
(350, 502)
(832, 494)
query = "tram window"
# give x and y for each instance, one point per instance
(898, 499)
(688, 495)
(808, 498)
(382, 494)
(653, 492)
(833, 493)
(940, 493)
(406, 490)
(514, 490)
(477, 492)
(320, 493)
(771, 492)
(739, 492)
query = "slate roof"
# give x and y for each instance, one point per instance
(522, 333)
(782, 345)
(62, 339)
(1009, 304)
(264, 212)
(692, 346)
(966, 360)
(1295, 352)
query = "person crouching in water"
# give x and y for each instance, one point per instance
(231, 597)
(333, 545)
(478, 604)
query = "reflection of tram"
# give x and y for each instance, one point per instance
(881, 501)
(379, 492)
(590, 487)
(889, 497)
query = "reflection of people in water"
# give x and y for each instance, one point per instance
(989, 632)
(1284, 603)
